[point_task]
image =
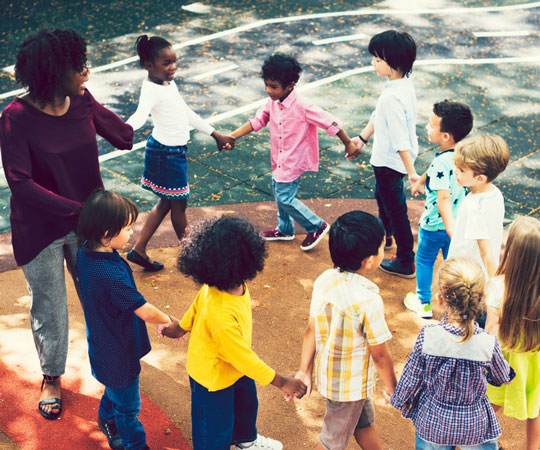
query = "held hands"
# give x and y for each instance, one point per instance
(413, 178)
(351, 150)
(171, 330)
(417, 188)
(223, 142)
(304, 378)
(293, 387)
(359, 145)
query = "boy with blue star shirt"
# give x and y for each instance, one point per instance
(449, 123)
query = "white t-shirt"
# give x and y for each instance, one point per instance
(495, 292)
(171, 115)
(479, 217)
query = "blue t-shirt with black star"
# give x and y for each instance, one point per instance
(117, 337)
(440, 176)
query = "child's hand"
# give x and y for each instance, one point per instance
(351, 151)
(386, 396)
(413, 178)
(359, 144)
(304, 378)
(417, 188)
(223, 142)
(171, 330)
(290, 386)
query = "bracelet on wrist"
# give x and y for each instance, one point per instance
(362, 139)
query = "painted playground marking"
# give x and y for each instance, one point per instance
(262, 23)
(350, 37)
(481, 34)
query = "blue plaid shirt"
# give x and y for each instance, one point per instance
(443, 385)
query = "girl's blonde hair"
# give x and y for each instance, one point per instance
(519, 328)
(461, 286)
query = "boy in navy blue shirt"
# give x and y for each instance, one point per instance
(115, 314)
(395, 145)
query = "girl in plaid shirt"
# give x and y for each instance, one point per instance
(443, 385)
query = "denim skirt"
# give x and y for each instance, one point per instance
(165, 170)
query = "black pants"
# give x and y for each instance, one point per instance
(393, 211)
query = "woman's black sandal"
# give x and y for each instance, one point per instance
(50, 401)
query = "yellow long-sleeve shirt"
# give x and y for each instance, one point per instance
(219, 351)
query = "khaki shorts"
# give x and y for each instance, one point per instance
(341, 419)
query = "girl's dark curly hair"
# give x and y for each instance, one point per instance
(45, 58)
(223, 253)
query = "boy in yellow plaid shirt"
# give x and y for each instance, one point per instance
(346, 335)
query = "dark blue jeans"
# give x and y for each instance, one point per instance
(223, 418)
(124, 405)
(393, 211)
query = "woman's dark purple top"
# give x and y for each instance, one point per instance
(51, 166)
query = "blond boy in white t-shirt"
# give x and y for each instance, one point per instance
(479, 225)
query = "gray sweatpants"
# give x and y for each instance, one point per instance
(46, 282)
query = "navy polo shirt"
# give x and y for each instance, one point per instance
(117, 337)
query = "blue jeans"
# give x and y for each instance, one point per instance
(223, 418)
(124, 405)
(289, 208)
(393, 211)
(424, 445)
(429, 244)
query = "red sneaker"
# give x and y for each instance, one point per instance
(276, 235)
(312, 239)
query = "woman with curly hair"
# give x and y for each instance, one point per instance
(222, 255)
(50, 158)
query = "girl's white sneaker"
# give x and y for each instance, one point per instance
(261, 443)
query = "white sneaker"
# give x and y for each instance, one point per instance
(262, 443)
(412, 302)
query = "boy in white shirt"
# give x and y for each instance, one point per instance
(395, 145)
(479, 226)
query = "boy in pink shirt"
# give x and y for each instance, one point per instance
(294, 147)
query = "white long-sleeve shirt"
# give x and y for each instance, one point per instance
(171, 115)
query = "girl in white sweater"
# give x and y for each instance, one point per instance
(165, 160)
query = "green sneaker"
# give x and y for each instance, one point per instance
(412, 302)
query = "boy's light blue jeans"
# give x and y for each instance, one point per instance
(429, 244)
(124, 405)
(289, 208)
(424, 445)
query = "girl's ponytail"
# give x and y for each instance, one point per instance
(148, 48)
(461, 285)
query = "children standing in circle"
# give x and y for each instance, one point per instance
(115, 313)
(222, 255)
(443, 385)
(395, 145)
(513, 299)
(165, 164)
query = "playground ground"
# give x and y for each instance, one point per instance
(484, 53)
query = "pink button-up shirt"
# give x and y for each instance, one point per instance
(294, 144)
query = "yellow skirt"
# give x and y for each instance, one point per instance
(521, 398)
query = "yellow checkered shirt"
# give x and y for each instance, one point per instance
(349, 317)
